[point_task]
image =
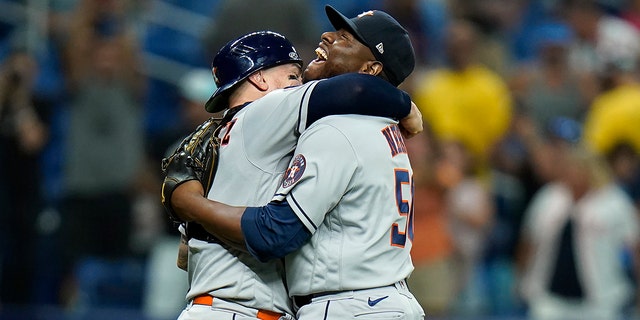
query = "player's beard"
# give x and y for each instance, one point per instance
(314, 71)
(323, 70)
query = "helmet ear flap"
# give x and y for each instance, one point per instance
(239, 58)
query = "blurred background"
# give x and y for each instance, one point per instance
(527, 176)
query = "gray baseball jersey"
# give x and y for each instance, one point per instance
(350, 183)
(255, 150)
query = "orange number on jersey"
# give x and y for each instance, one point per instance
(227, 130)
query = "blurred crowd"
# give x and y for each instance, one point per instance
(527, 175)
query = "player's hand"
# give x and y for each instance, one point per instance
(411, 125)
(183, 253)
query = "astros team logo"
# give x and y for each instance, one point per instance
(295, 171)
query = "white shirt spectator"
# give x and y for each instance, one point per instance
(605, 222)
(616, 42)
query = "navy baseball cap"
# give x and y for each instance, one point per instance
(384, 36)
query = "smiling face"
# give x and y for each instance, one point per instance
(339, 52)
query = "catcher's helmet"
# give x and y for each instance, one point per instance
(243, 56)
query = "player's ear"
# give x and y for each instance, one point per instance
(258, 80)
(371, 67)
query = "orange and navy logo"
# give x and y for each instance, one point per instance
(295, 171)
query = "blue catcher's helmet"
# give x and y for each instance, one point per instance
(243, 56)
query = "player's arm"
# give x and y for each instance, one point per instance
(355, 93)
(272, 230)
(221, 220)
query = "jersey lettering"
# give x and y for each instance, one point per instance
(405, 208)
(227, 130)
(394, 138)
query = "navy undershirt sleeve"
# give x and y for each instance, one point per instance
(355, 93)
(272, 231)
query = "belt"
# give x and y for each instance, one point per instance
(207, 300)
(300, 301)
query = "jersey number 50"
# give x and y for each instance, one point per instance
(405, 208)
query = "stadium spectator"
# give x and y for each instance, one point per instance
(465, 101)
(470, 214)
(546, 88)
(611, 125)
(23, 136)
(433, 279)
(600, 36)
(104, 141)
(574, 232)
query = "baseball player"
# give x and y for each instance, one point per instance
(344, 205)
(225, 282)
(253, 65)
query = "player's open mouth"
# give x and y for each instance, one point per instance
(322, 55)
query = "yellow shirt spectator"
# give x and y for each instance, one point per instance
(472, 106)
(614, 117)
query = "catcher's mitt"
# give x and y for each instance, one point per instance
(194, 159)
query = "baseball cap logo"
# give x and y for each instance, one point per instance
(380, 48)
(366, 13)
(293, 55)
